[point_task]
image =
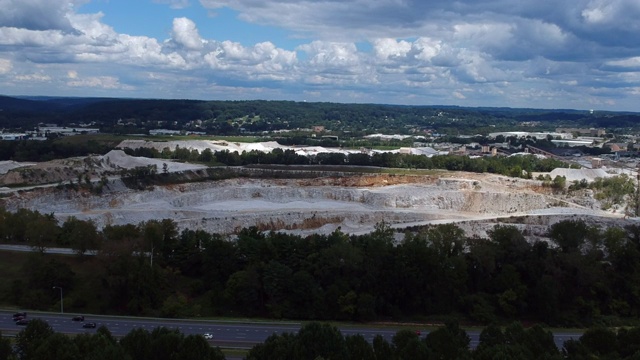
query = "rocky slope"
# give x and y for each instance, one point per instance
(353, 203)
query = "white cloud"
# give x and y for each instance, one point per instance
(399, 51)
(632, 63)
(38, 14)
(261, 61)
(427, 49)
(33, 78)
(611, 13)
(391, 48)
(174, 4)
(5, 66)
(186, 34)
(24, 37)
(103, 82)
(325, 55)
(459, 95)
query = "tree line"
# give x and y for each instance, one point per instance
(38, 341)
(515, 166)
(323, 341)
(28, 150)
(316, 341)
(236, 117)
(584, 275)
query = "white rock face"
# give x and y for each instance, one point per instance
(291, 205)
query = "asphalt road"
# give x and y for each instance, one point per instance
(226, 334)
(49, 250)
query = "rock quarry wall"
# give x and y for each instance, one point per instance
(228, 205)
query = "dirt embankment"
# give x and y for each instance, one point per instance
(52, 172)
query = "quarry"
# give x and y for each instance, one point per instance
(351, 202)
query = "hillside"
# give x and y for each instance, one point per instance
(239, 117)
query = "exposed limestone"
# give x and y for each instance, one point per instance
(302, 205)
(315, 201)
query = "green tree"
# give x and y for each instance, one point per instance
(559, 183)
(449, 342)
(628, 341)
(28, 340)
(196, 347)
(276, 346)
(42, 233)
(381, 348)
(407, 345)
(358, 348)
(165, 342)
(569, 235)
(276, 279)
(6, 351)
(79, 235)
(99, 346)
(319, 339)
(55, 347)
(600, 341)
(137, 344)
(244, 289)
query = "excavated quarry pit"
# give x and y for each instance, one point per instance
(355, 204)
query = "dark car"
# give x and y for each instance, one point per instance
(90, 325)
(18, 318)
(78, 318)
(19, 315)
(22, 322)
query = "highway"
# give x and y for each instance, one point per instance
(48, 250)
(226, 334)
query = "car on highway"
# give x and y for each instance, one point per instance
(22, 322)
(78, 318)
(16, 318)
(19, 315)
(208, 336)
(89, 325)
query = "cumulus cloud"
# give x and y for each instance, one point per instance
(325, 55)
(37, 14)
(261, 61)
(399, 51)
(186, 34)
(391, 48)
(601, 21)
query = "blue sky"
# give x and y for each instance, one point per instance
(580, 54)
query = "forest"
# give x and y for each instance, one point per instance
(236, 117)
(583, 276)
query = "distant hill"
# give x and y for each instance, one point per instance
(36, 104)
(65, 102)
(23, 105)
(256, 116)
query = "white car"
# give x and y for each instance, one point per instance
(208, 336)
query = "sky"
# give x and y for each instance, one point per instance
(570, 54)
